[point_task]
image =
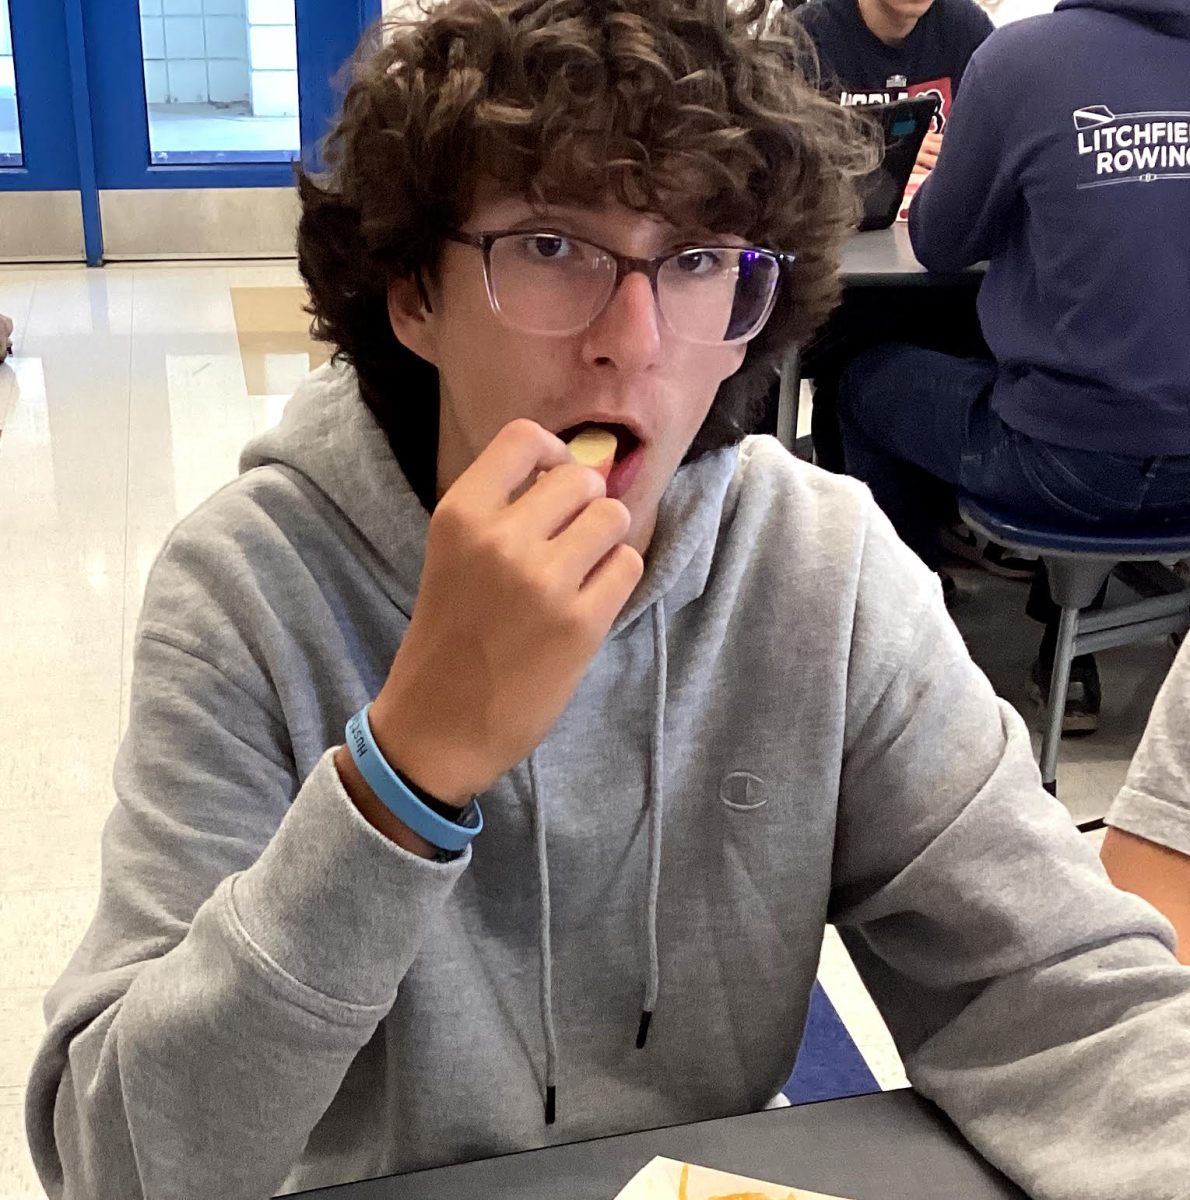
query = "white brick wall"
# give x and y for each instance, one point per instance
(272, 53)
(195, 51)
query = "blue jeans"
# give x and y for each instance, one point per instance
(915, 421)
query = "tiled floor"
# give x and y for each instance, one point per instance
(125, 404)
(191, 127)
(129, 396)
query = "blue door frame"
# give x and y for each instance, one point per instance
(48, 144)
(81, 96)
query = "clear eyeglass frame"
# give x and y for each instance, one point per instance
(774, 261)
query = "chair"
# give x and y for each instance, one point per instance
(1078, 563)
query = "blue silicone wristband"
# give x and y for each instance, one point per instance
(395, 795)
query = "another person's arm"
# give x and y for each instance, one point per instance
(961, 211)
(1147, 847)
(1028, 996)
(1156, 874)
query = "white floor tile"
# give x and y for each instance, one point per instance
(52, 848)
(21, 1027)
(40, 930)
(858, 1012)
(190, 418)
(59, 677)
(884, 1062)
(16, 298)
(265, 274)
(207, 307)
(18, 1179)
(70, 303)
(8, 392)
(67, 773)
(63, 454)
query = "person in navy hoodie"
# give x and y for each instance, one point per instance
(1067, 167)
(871, 52)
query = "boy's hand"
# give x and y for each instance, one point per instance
(522, 581)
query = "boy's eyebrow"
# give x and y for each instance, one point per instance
(575, 221)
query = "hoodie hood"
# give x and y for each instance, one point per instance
(1169, 16)
(329, 437)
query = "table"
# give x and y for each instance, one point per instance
(884, 257)
(888, 1146)
(878, 258)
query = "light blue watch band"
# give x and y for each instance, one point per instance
(395, 795)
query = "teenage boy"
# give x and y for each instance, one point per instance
(616, 750)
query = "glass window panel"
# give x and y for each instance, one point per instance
(220, 83)
(270, 12)
(10, 125)
(273, 48)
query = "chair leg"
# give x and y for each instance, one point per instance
(1059, 685)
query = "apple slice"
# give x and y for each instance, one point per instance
(595, 447)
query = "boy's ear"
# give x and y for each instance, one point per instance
(412, 317)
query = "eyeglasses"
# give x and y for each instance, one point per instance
(550, 283)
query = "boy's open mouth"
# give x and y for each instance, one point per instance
(626, 440)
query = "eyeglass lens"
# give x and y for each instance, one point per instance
(552, 284)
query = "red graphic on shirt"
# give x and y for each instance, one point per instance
(939, 88)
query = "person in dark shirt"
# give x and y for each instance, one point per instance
(875, 51)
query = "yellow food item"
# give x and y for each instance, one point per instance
(595, 447)
(683, 1183)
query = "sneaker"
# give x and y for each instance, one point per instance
(1083, 696)
(966, 544)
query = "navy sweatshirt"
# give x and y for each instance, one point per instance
(858, 68)
(1067, 166)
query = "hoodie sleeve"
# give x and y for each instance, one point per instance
(1154, 802)
(252, 931)
(1041, 1008)
(959, 215)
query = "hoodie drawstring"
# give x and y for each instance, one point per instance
(656, 805)
(544, 947)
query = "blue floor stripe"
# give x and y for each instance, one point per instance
(829, 1065)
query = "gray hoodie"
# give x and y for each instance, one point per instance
(782, 729)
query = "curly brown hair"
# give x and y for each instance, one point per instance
(702, 112)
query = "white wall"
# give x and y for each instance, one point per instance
(196, 51)
(400, 8)
(272, 50)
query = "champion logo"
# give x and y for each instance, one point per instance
(742, 791)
